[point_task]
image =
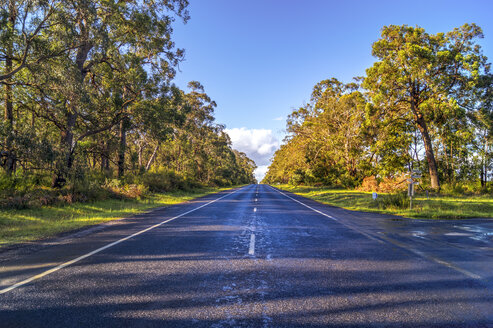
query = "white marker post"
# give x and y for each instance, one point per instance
(415, 174)
(410, 193)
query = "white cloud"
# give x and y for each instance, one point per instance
(280, 118)
(260, 172)
(258, 144)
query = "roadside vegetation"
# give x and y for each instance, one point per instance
(435, 206)
(22, 225)
(93, 126)
(423, 112)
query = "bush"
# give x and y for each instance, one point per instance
(393, 184)
(26, 189)
(162, 179)
(369, 184)
(297, 178)
(395, 201)
(120, 189)
(456, 189)
(22, 182)
(221, 182)
(388, 184)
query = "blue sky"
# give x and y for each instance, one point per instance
(259, 59)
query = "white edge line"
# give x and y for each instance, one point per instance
(63, 265)
(251, 248)
(392, 241)
(329, 216)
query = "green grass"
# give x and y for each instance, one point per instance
(436, 207)
(17, 226)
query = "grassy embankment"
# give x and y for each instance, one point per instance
(436, 207)
(24, 225)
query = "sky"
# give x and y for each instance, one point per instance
(259, 59)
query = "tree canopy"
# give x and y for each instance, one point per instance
(424, 104)
(88, 91)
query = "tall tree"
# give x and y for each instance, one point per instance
(126, 37)
(419, 76)
(23, 27)
(326, 141)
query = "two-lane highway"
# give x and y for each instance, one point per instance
(256, 257)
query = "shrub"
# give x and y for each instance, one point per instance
(388, 184)
(221, 182)
(121, 190)
(393, 184)
(297, 178)
(369, 184)
(396, 201)
(456, 189)
(162, 179)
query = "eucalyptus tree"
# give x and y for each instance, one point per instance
(288, 162)
(23, 27)
(108, 38)
(244, 168)
(420, 76)
(327, 134)
(341, 110)
(482, 121)
(155, 120)
(189, 153)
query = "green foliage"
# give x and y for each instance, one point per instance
(427, 82)
(393, 201)
(297, 178)
(21, 225)
(326, 139)
(161, 179)
(97, 115)
(437, 206)
(425, 104)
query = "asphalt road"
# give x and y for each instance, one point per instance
(255, 257)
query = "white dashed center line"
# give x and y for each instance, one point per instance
(251, 249)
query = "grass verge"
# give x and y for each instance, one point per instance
(436, 207)
(17, 226)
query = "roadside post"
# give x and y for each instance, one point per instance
(413, 175)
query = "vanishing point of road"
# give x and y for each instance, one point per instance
(255, 257)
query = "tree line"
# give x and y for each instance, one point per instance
(88, 91)
(425, 104)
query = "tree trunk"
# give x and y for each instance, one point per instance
(486, 162)
(122, 148)
(67, 135)
(430, 157)
(9, 163)
(94, 161)
(178, 159)
(483, 164)
(10, 158)
(105, 163)
(447, 164)
(153, 157)
(140, 153)
(452, 171)
(64, 165)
